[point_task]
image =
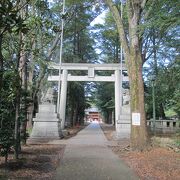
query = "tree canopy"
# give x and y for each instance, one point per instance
(29, 40)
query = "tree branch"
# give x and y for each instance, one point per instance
(120, 26)
(143, 3)
(150, 9)
(129, 10)
(53, 45)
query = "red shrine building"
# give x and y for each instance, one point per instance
(93, 114)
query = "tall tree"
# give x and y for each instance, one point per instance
(17, 48)
(140, 17)
(78, 48)
(132, 46)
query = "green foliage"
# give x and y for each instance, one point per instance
(32, 32)
(176, 102)
(104, 99)
(6, 138)
(167, 90)
(160, 48)
(108, 40)
(177, 143)
(108, 45)
(7, 112)
(76, 102)
(10, 17)
(164, 15)
(79, 42)
(78, 48)
(170, 113)
(20, 27)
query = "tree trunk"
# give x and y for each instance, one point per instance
(162, 113)
(117, 49)
(74, 116)
(30, 115)
(17, 104)
(138, 133)
(30, 84)
(75, 35)
(17, 126)
(1, 63)
(23, 76)
(6, 158)
(155, 52)
(71, 113)
(110, 117)
(132, 52)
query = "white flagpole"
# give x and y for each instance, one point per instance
(60, 58)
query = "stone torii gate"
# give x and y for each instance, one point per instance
(91, 76)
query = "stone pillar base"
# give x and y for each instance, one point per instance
(46, 124)
(123, 127)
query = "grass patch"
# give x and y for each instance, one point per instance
(29, 130)
(170, 113)
(177, 143)
(177, 139)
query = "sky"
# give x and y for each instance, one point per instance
(99, 19)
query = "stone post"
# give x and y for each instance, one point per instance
(117, 97)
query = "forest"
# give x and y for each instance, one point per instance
(30, 34)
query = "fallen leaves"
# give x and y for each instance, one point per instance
(159, 162)
(36, 162)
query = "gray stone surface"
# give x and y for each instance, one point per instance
(46, 123)
(87, 157)
(123, 126)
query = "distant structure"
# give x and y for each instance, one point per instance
(93, 114)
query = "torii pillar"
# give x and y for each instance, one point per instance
(63, 95)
